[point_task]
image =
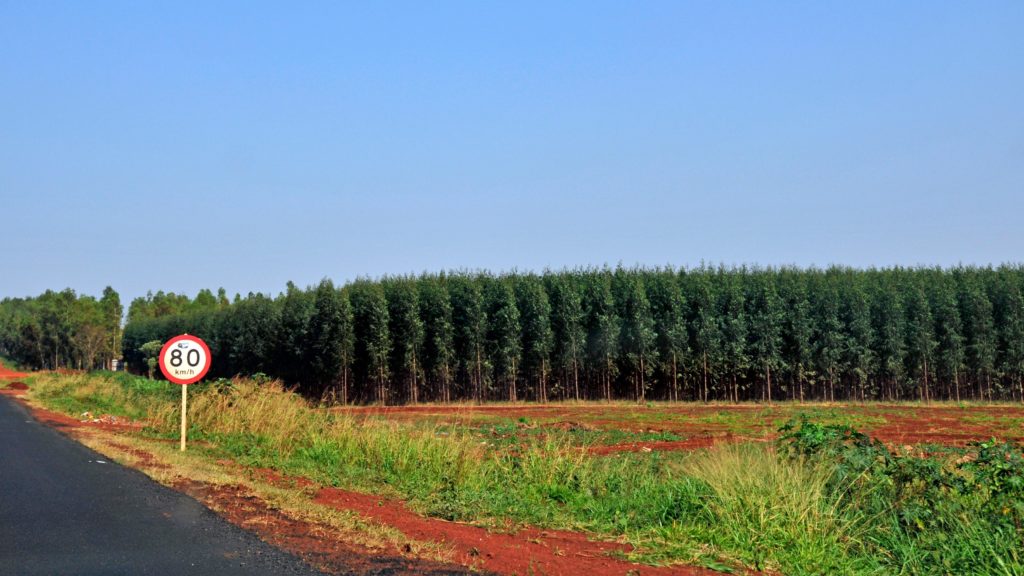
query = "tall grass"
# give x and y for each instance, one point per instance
(777, 511)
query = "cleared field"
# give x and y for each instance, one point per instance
(661, 426)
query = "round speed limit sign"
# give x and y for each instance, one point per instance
(185, 359)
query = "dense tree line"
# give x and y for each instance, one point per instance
(62, 330)
(695, 334)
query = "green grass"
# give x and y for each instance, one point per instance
(820, 511)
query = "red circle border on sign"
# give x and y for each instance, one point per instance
(194, 379)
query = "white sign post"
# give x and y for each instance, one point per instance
(184, 360)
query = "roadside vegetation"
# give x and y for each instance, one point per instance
(823, 499)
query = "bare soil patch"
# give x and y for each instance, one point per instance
(315, 544)
(528, 551)
(6, 373)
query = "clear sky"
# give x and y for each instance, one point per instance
(189, 145)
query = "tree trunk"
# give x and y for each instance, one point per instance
(479, 378)
(643, 393)
(675, 383)
(705, 376)
(543, 381)
(576, 378)
(925, 391)
(413, 391)
(512, 385)
(768, 370)
(344, 384)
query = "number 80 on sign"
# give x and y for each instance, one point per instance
(185, 359)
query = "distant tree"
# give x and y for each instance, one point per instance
(949, 335)
(732, 309)
(439, 333)
(603, 330)
(503, 335)
(668, 307)
(638, 339)
(765, 312)
(470, 322)
(979, 328)
(407, 332)
(151, 352)
(567, 324)
(889, 325)
(292, 349)
(327, 328)
(828, 333)
(537, 336)
(921, 343)
(1009, 311)
(111, 312)
(797, 327)
(858, 358)
(706, 326)
(373, 341)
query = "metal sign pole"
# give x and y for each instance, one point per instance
(184, 408)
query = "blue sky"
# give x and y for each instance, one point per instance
(189, 145)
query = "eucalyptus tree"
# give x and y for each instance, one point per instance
(503, 335)
(327, 334)
(1009, 312)
(979, 329)
(668, 308)
(470, 322)
(765, 337)
(603, 327)
(797, 328)
(827, 338)
(949, 338)
(638, 339)
(889, 325)
(296, 309)
(567, 325)
(407, 332)
(372, 338)
(921, 341)
(705, 325)
(254, 325)
(732, 310)
(112, 311)
(858, 357)
(537, 336)
(346, 342)
(439, 332)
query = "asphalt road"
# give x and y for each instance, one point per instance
(65, 510)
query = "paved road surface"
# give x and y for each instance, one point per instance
(63, 512)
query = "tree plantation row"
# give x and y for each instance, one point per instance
(701, 334)
(62, 330)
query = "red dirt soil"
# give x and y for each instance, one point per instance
(528, 551)
(5, 373)
(318, 545)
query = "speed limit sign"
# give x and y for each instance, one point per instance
(184, 360)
